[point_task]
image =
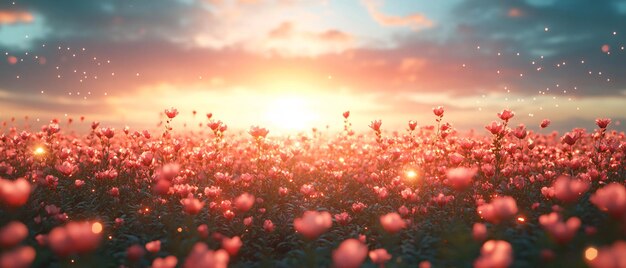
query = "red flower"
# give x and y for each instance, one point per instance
(611, 199)
(460, 178)
(75, 238)
(438, 111)
(350, 254)
(346, 114)
(545, 123)
(343, 218)
(495, 253)
(232, 245)
(500, 208)
(268, 226)
(479, 232)
(569, 190)
(171, 113)
(12, 234)
(506, 114)
(570, 138)
(392, 222)
(244, 202)
(603, 122)
(561, 232)
(313, 223)
(379, 256)
(375, 125)
(191, 206)
(21, 257)
(167, 262)
(153, 246)
(258, 132)
(201, 256)
(14, 193)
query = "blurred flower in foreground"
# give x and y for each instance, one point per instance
(350, 254)
(495, 253)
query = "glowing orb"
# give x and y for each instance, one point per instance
(96, 227)
(591, 253)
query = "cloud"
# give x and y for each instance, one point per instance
(284, 30)
(15, 16)
(415, 21)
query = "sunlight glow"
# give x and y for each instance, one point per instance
(290, 113)
(39, 151)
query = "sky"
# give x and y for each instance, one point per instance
(290, 65)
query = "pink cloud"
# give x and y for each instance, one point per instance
(12, 17)
(416, 21)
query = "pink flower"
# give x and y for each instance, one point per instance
(191, 206)
(460, 178)
(268, 226)
(561, 232)
(258, 132)
(12, 234)
(203, 231)
(379, 256)
(153, 246)
(603, 122)
(611, 199)
(570, 138)
(171, 113)
(610, 256)
(313, 223)
(479, 232)
(248, 221)
(350, 254)
(14, 193)
(438, 111)
(21, 257)
(392, 222)
(201, 256)
(307, 189)
(167, 262)
(506, 114)
(520, 132)
(135, 252)
(282, 191)
(569, 190)
(232, 245)
(495, 253)
(495, 128)
(75, 238)
(343, 218)
(358, 207)
(375, 125)
(500, 208)
(244, 202)
(545, 123)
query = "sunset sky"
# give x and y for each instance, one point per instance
(295, 64)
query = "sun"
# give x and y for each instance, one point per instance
(290, 113)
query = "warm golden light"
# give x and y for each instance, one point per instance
(96, 227)
(39, 151)
(290, 113)
(591, 253)
(521, 219)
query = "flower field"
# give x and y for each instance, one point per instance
(424, 196)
